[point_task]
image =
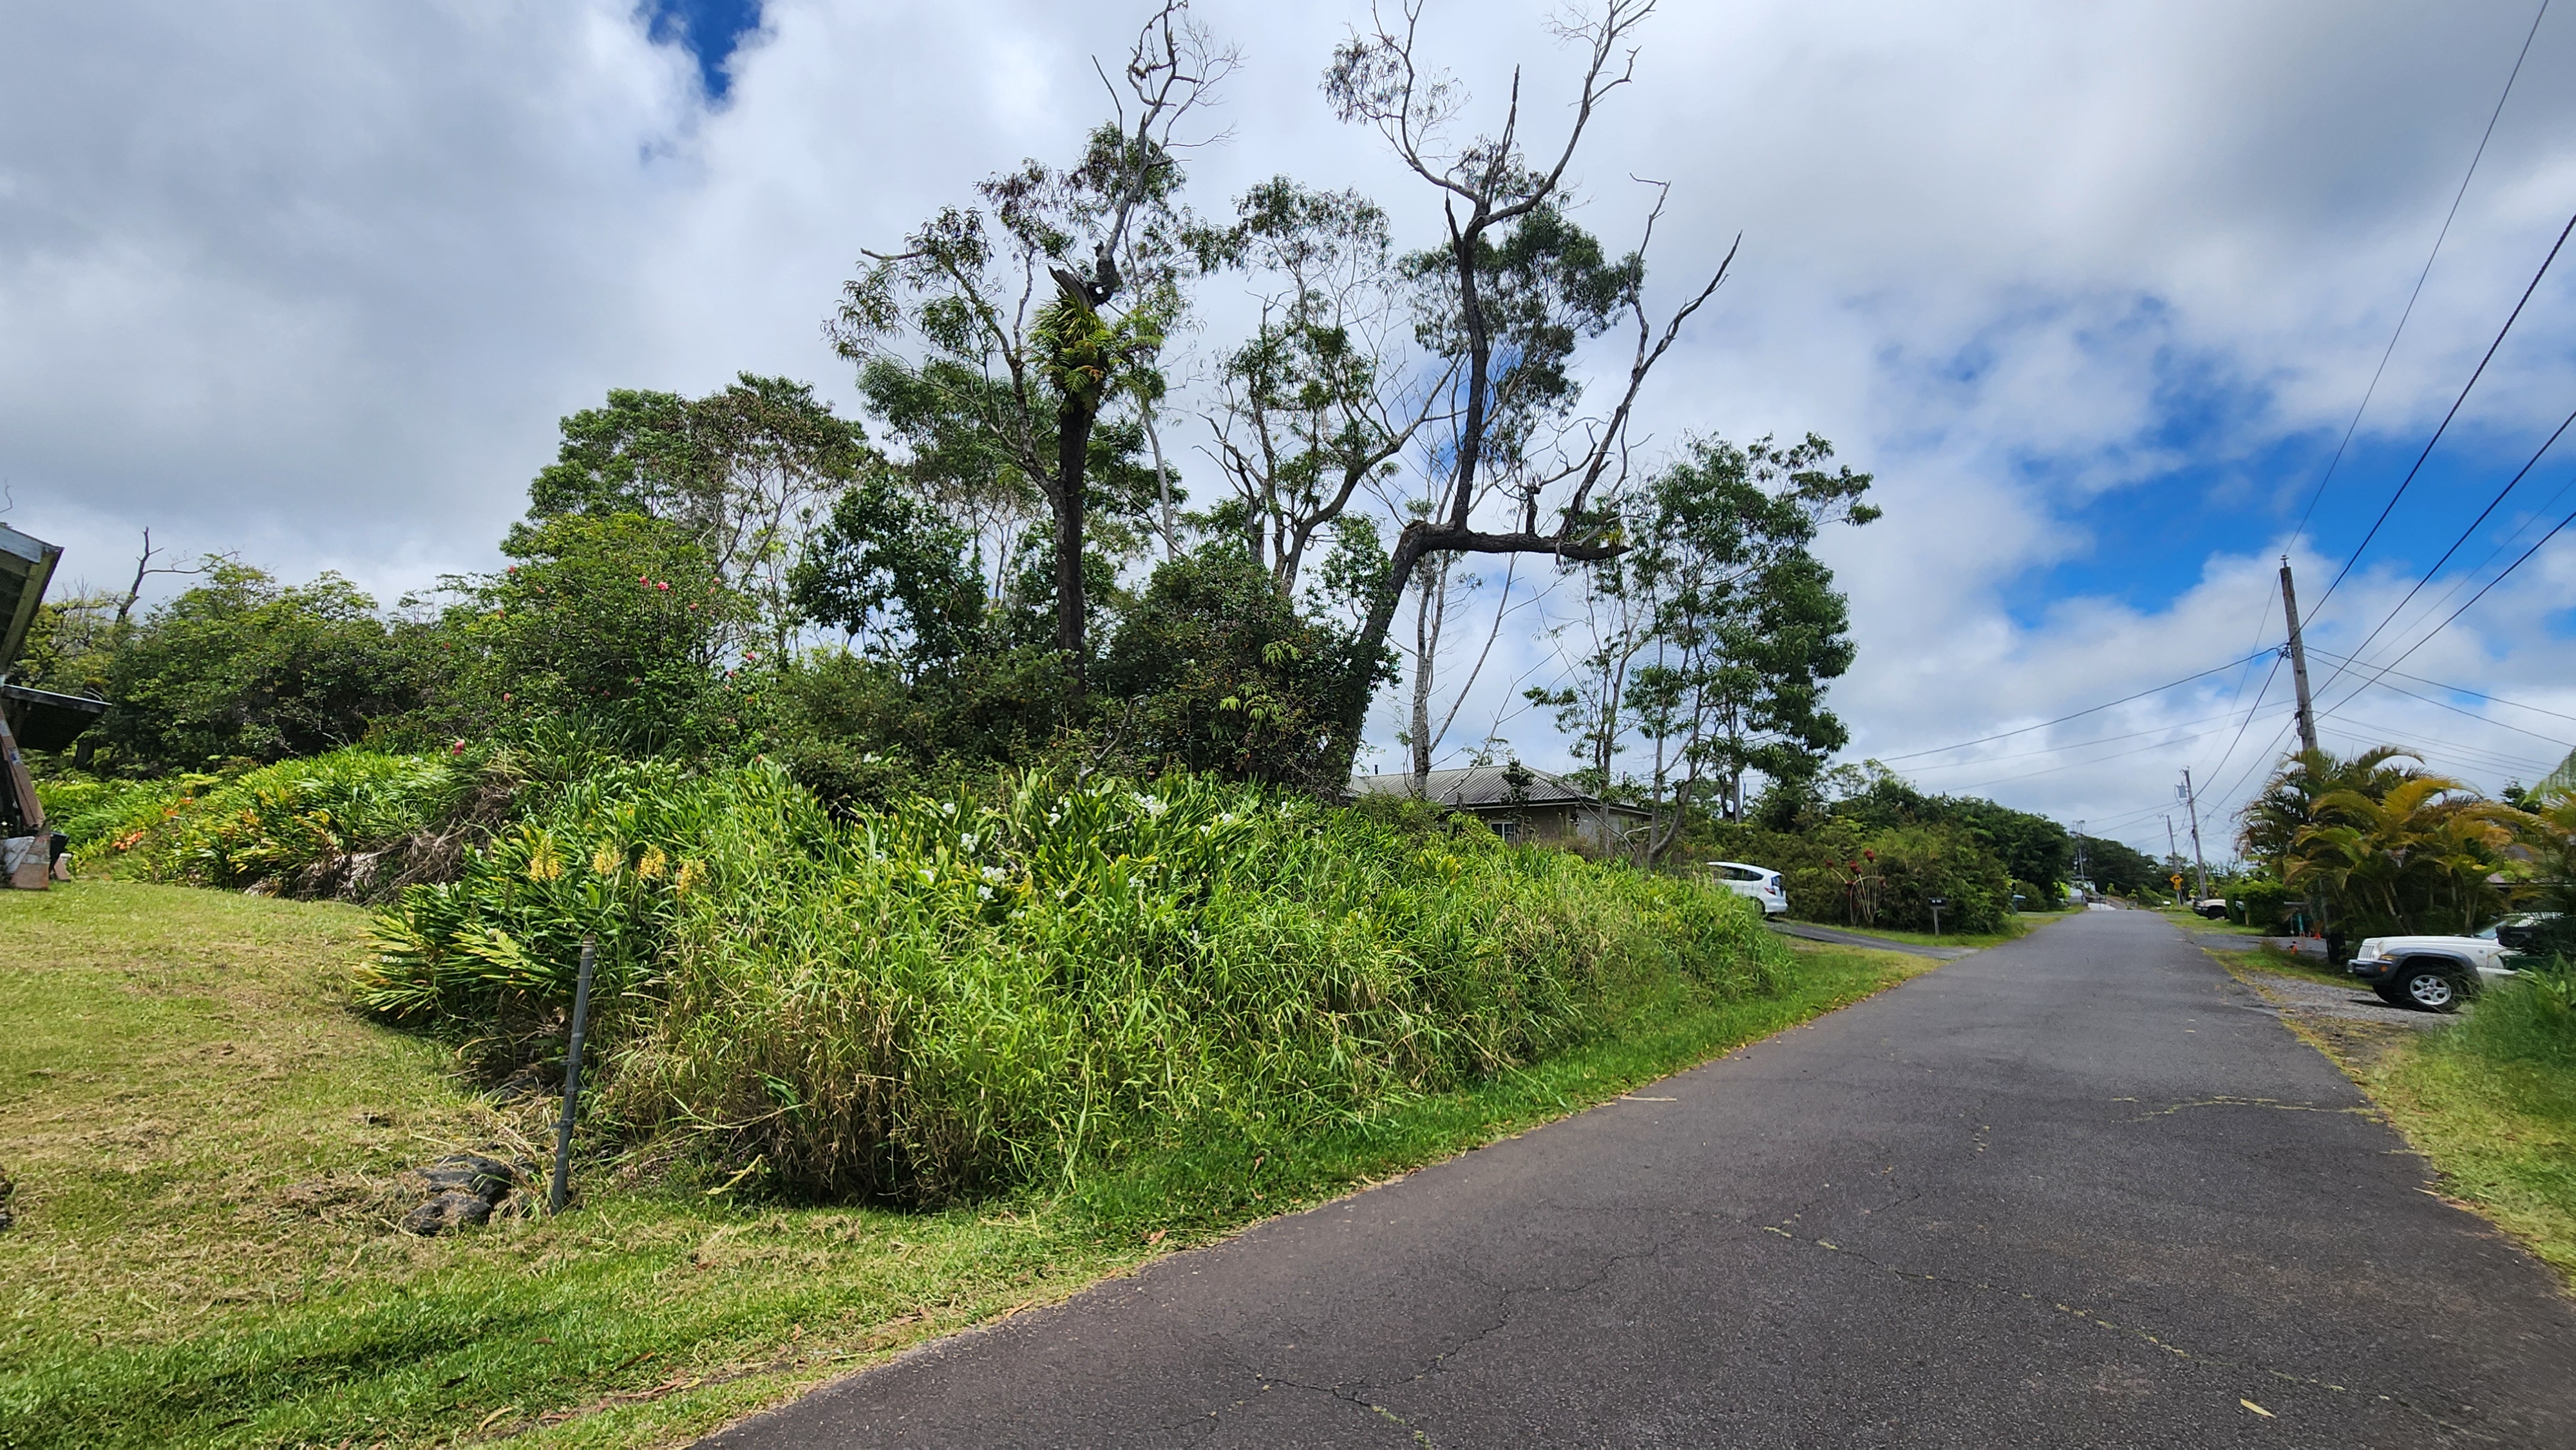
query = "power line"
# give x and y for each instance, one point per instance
(2096, 760)
(2465, 534)
(2468, 754)
(2268, 676)
(2463, 609)
(2465, 690)
(2062, 719)
(2438, 237)
(2538, 514)
(2481, 719)
(2226, 714)
(2456, 403)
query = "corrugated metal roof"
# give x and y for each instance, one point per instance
(1481, 787)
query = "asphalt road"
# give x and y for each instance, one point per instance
(2082, 1189)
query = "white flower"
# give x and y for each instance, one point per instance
(928, 876)
(966, 842)
(995, 874)
(983, 893)
(1148, 804)
(948, 808)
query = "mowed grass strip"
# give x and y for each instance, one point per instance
(203, 1136)
(2491, 1100)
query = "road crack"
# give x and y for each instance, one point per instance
(2229, 1101)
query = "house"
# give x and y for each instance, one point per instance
(1521, 804)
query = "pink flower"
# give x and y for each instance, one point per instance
(664, 586)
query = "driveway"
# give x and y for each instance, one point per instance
(2080, 1189)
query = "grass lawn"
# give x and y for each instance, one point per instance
(2503, 1135)
(2018, 925)
(2194, 921)
(203, 1139)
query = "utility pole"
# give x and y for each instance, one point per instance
(2199, 865)
(2307, 711)
(2298, 660)
(2079, 861)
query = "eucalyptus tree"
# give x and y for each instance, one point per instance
(1318, 402)
(1511, 291)
(1714, 632)
(1048, 301)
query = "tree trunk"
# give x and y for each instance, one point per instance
(1073, 447)
(1431, 611)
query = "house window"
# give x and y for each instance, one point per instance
(1511, 833)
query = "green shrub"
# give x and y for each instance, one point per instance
(992, 988)
(88, 809)
(353, 823)
(2262, 902)
(1842, 872)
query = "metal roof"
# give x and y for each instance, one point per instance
(1484, 787)
(26, 563)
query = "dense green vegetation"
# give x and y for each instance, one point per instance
(2375, 844)
(1860, 847)
(205, 1139)
(956, 993)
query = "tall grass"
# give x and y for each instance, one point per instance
(999, 987)
(2530, 1019)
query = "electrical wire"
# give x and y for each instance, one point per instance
(2096, 760)
(2463, 609)
(2465, 534)
(2463, 690)
(2456, 403)
(2062, 719)
(2227, 714)
(2438, 237)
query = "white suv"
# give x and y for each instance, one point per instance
(1760, 883)
(2434, 973)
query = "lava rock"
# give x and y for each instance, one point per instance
(534, 1080)
(489, 1179)
(463, 1189)
(451, 1210)
(7, 1189)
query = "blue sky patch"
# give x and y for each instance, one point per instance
(709, 29)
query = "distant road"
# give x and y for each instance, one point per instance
(2079, 1190)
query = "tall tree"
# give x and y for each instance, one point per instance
(1316, 403)
(1715, 631)
(747, 471)
(1107, 235)
(1514, 288)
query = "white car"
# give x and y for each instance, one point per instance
(2434, 973)
(1759, 883)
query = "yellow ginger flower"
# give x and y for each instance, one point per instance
(690, 876)
(607, 859)
(653, 864)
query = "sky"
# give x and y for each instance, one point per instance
(2093, 292)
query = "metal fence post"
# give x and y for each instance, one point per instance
(572, 1077)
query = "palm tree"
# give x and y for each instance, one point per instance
(2271, 822)
(2416, 854)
